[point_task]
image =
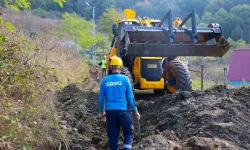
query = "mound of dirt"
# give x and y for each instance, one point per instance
(217, 119)
(165, 140)
(202, 143)
(216, 113)
(168, 141)
(78, 106)
(90, 85)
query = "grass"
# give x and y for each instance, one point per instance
(28, 118)
(196, 84)
(68, 66)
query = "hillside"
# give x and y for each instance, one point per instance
(230, 14)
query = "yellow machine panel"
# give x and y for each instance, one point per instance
(144, 84)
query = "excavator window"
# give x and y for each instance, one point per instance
(131, 23)
(155, 24)
(128, 23)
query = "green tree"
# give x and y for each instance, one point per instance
(60, 2)
(221, 17)
(240, 16)
(17, 4)
(24, 4)
(43, 4)
(75, 28)
(214, 5)
(242, 12)
(237, 33)
(187, 5)
(207, 18)
(231, 3)
(238, 44)
(125, 3)
(159, 9)
(143, 8)
(108, 18)
(225, 21)
(202, 25)
(102, 5)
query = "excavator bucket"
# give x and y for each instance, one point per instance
(168, 41)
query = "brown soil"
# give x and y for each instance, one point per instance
(94, 70)
(215, 116)
(78, 107)
(217, 119)
(5, 146)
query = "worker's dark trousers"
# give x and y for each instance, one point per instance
(117, 119)
(103, 72)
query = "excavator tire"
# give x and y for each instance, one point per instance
(176, 69)
(127, 73)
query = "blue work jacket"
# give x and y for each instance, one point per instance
(116, 93)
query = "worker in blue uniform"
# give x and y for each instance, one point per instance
(115, 95)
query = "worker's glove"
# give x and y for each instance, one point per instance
(103, 116)
(137, 115)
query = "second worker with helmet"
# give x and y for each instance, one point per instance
(115, 95)
(103, 66)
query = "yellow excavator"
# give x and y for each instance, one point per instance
(149, 49)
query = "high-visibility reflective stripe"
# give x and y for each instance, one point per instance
(127, 146)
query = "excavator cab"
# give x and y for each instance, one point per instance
(149, 47)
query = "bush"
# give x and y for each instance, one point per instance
(29, 72)
(26, 112)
